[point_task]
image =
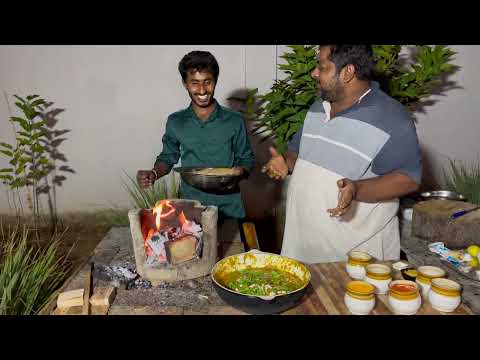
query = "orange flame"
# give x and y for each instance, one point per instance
(182, 218)
(161, 210)
(157, 211)
(150, 233)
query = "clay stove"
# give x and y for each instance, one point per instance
(185, 224)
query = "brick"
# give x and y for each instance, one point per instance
(70, 298)
(103, 296)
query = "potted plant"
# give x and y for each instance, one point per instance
(464, 179)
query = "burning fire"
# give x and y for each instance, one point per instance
(157, 211)
(162, 210)
(183, 220)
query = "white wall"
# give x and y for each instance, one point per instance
(117, 99)
(451, 127)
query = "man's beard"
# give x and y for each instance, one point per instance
(327, 95)
(332, 93)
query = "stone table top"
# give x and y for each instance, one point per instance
(418, 254)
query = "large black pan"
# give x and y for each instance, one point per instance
(259, 305)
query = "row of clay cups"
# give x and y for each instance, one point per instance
(403, 297)
(443, 294)
(359, 267)
(373, 279)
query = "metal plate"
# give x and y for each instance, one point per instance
(443, 195)
(217, 184)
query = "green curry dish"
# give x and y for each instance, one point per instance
(262, 282)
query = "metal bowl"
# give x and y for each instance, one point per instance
(442, 195)
(216, 184)
(406, 273)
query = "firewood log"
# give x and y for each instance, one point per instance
(103, 296)
(70, 298)
(181, 249)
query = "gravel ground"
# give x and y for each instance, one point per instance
(190, 294)
(196, 294)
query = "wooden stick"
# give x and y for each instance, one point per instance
(88, 291)
(250, 235)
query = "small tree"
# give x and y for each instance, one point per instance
(34, 157)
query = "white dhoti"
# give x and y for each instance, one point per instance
(312, 236)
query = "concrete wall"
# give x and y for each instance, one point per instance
(450, 127)
(117, 99)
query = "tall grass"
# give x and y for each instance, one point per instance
(145, 198)
(464, 180)
(28, 276)
(142, 198)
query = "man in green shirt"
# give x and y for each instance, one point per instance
(205, 134)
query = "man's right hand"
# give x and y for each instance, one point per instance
(276, 168)
(145, 178)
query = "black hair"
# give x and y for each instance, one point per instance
(360, 56)
(199, 61)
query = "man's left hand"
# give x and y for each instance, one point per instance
(347, 191)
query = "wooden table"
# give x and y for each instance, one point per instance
(327, 289)
(324, 295)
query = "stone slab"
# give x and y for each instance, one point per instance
(418, 254)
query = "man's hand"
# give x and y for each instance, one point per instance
(240, 170)
(145, 178)
(276, 168)
(347, 191)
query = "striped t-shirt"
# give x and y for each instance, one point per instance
(374, 137)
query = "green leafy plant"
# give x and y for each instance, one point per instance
(141, 198)
(411, 83)
(464, 180)
(34, 157)
(28, 277)
(280, 113)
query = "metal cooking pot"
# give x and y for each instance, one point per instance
(442, 195)
(259, 305)
(216, 184)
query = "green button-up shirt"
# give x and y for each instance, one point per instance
(219, 141)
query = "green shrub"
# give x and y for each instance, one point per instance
(28, 277)
(145, 198)
(464, 180)
(280, 113)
